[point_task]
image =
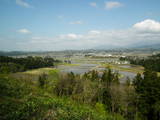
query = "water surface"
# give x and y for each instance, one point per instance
(82, 68)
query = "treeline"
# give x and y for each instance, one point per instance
(151, 63)
(103, 91)
(13, 53)
(12, 65)
(136, 100)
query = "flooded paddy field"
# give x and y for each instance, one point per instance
(87, 64)
(80, 69)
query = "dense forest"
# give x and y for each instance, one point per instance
(151, 63)
(68, 96)
(12, 65)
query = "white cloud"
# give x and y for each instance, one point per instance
(70, 36)
(147, 25)
(24, 31)
(93, 4)
(36, 38)
(76, 22)
(113, 4)
(94, 38)
(23, 3)
(94, 32)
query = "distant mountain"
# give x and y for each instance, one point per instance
(11, 53)
(132, 46)
(107, 47)
(151, 46)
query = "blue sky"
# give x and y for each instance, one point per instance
(77, 24)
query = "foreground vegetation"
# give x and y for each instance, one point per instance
(22, 99)
(47, 94)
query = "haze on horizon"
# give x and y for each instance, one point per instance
(33, 25)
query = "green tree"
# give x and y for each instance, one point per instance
(148, 95)
(42, 80)
(94, 75)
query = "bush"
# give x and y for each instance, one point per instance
(37, 108)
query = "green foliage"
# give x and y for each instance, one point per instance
(91, 96)
(151, 63)
(36, 108)
(94, 75)
(100, 107)
(18, 102)
(68, 85)
(90, 88)
(42, 80)
(10, 87)
(12, 65)
(148, 91)
(128, 81)
(108, 80)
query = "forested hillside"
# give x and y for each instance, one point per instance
(12, 65)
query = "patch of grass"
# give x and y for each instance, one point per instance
(39, 71)
(158, 74)
(32, 76)
(134, 69)
(53, 77)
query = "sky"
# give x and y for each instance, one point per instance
(48, 25)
